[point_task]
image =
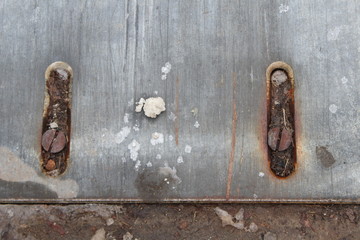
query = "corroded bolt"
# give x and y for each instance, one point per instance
(50, 165)
(53, 141)
(274, 137)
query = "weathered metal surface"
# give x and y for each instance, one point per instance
(219, 52)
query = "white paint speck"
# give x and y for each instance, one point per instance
(156, 92)
(188, 149)
(137, 165)
(165, 71)
(172, 116)
(53, 125)
(180, 159)
(197, 124)
(255, 196)
(344, 80)
(136, 128)
(333, 108)
(171, 138)
(139, 105)
(149, 164)
(134, 147)
(126, 118)
(261, 174)
(158, 156)
(170, 172)
(333, 34)
(122, 135)
(283, 8)
(157, 138)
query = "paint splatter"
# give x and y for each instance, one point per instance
(197, 124)
(188, 149)
(158, 156)
(180, 159)
(283, 8)
(344, 80)
(134, 147)
(333, 34)
(157, 138)
(172, 116)
(149, 164)
(122, 135)
(165, 71)
(126, 118)
(137, 165)
(136, 128)
(261, 174)
(170, 172)
(171, 138)
(139, 105)
(333, 108)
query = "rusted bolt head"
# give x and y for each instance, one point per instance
(58, 143)
(53, 142)
(50, 165)
(47, 139)
(273, 137)
(286, 139)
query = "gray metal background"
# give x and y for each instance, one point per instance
(219, 51)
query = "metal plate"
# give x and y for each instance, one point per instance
(218, 51)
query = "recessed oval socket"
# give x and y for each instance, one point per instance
(56, 126)
(280, 119)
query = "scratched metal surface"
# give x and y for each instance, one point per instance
(218, 51)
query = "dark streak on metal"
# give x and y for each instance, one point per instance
(233, 138)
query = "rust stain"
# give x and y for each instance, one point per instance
(233, 138)
(177, 111)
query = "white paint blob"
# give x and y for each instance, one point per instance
(333, 108)
(137, 165)
(126, 118)
(139, 105)
(283, 8)
(188, 149)
(157, 138)
(180, 159)
(172, 116)
(165, 71)
(134, 147)
(122, 135)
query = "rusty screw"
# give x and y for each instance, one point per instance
(53, 141)
(274, 137)
(50, 165)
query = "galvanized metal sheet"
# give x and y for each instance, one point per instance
(218, 52)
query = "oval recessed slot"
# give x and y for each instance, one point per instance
(281, 122)
(56, 127)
